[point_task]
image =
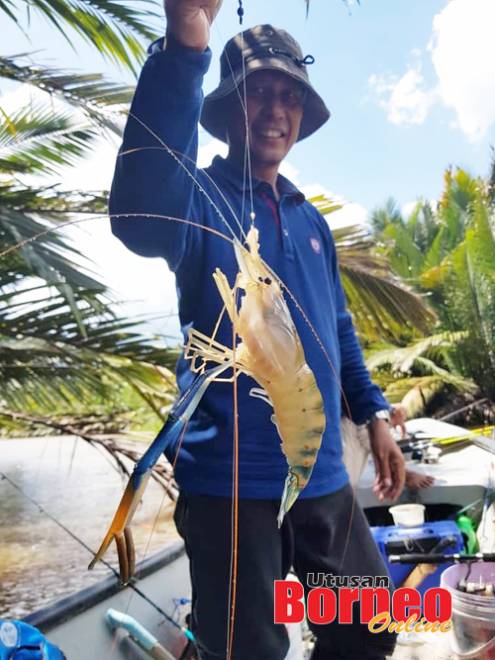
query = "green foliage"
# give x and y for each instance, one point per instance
(62, 347)
(112, 27)
(383, 307)
(448, 253)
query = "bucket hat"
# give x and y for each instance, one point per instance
(262, 47)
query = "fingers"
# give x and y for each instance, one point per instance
(399, 477)
(398, 417)
(390, 476)
(189, 21)
(383, 481)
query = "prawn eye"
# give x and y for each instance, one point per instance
(268, 280)
(260, 279)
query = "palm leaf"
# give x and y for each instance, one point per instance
(110, 26)
(382, 307)
(38, 140)
(90, 92)
(403, 359)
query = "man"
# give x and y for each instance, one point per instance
(324, 531)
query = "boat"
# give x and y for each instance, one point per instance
(464, 473)
(78, 624)
(464, 477)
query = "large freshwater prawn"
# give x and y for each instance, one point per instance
(271, 352)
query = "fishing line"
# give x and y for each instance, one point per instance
(76, 538)
(234, 559)
(232, 597)
(247, 161)
(247, 181)
(150, 216)
(189, 174)
(204, 173)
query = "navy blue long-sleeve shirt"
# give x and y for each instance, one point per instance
(295, 241)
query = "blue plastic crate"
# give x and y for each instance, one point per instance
(395, 540)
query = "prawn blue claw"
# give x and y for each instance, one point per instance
(119, 529)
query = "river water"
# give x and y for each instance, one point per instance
(39, 562)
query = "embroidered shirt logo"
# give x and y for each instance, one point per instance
(315, 244)
(8, 634)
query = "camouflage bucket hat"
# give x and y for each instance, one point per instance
(262, 47)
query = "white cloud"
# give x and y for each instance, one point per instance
(208, 151)
(290, 172)
(462, 51)
(144, 286)
(351, 213)
(94, 172)
(407, 208)
(463, 54)
(405, 99)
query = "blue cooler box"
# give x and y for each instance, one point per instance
(395, 540)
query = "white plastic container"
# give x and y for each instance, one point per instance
(473, 615)
(408, 515)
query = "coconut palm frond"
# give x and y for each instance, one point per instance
(47, 362)
(48, 203)
(383, 308)
(49, 376)
(325, 205)
(91, 93)
(47, 259)
(403, 359)
(114, 28)
(462, 384)
(415, 394)
(40, 140)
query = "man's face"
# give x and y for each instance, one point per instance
(274, 104)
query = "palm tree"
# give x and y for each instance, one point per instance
(61, 345)
(448, 253)
(383, 307)
(62, 348)
(113, 28)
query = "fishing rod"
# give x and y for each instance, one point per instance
(440, 558)
(470, 434)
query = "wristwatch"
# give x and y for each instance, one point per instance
(380, 414)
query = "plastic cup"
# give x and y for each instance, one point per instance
(473, 615)
(408, 515)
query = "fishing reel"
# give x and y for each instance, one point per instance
(419, 449)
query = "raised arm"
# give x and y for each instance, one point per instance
(165, 109)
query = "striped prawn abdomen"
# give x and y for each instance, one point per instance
(300, 420)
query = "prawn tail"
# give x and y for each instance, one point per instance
(289, 496)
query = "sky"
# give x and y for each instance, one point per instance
(409, 84)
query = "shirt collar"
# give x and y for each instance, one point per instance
(235, 176)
